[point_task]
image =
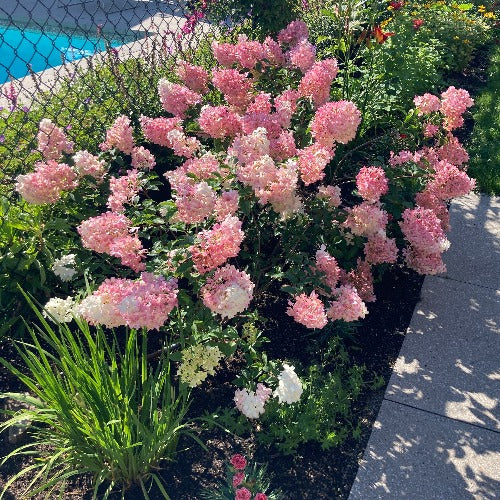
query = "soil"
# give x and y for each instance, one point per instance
(312, 472)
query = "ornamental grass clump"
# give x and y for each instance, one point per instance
(247, 187)
(97, 406)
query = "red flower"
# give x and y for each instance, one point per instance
(260, 496)
(417, 23)
(381, 36)
(239, 462)
(396, 5)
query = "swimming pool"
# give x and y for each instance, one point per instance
(42, 50)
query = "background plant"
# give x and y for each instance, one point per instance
(99, 407)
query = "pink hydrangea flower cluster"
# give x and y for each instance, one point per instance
(156, 130)
(302, 55)
(317, 81)
(403, 157)
(454, 103)
(234, 85)
(110, 233)
(329, 266)
(182, 144)
(372, 183)
(361, 278)
(252, 147)
(88, 164)
(249, 52)
(123, 190)
(142, 158)
(215, 246)
(224, 53)
(195, 201)
(423, 230)
(260, 104)
(282, 147)
(251, 403)
(335, 122)
(227, 204)
(274, 54)
(228, 292)
(46, 183)
(449, 182)
(430, 130)
(380, 249)
(119, 136)
(285, 105)
(176, 98)
(204, 167)
(194, 77)
(308, 310)
(219, 122)
(312, 162)
(347, 305)
(144, 303)
(52, 141)
(293, 33)
(366, 219)
(331, 194)
(427, 103)
(453, 152)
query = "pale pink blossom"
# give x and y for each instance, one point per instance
(335, 122)
(182, 144)
(46, 183)
(226, 204)
(52, 141)
(194, 77)
(317, 81)
(252, 147)
(453, 152)
(312, 162)
(293, 33)
(228, 292)
(176, 98)
(308, 310)
(450, 182)
(427, 103)
(380, 249)
(366, 219)
(88, 164)
(234, 85)
(219, 122)
(123, 190)
(119, 136)
(215, 246)
(327, 265)
(156, 130)
(331, 194)
(142, 158)
(347, 305)
(372, 183)
(422, 228)
(283, 147)
(302, 55)
(224, 53)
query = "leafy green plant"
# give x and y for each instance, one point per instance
(98, 408)
(484, 163)
(243, 476)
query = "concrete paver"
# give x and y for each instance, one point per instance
(474, 254)
(437, 434)
(420, 456)
(449, 361)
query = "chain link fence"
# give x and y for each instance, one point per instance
(80, 63)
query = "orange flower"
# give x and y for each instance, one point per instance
(381, 36)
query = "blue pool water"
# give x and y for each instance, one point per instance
(42, 50)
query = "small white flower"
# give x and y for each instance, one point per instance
(289, 387)
(60, 310)
(63, 267)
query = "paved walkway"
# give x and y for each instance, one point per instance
(437, 434)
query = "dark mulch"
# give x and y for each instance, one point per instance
(312, 472)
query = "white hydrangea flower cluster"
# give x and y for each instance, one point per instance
(250, 403)
(289, 387)
(63, 267)
(289, 390)
(60, 310)
(198, 362)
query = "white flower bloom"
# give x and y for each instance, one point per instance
(289, 387)
(63, 267)
(60, 310)
(249, 403)
(198, 362)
